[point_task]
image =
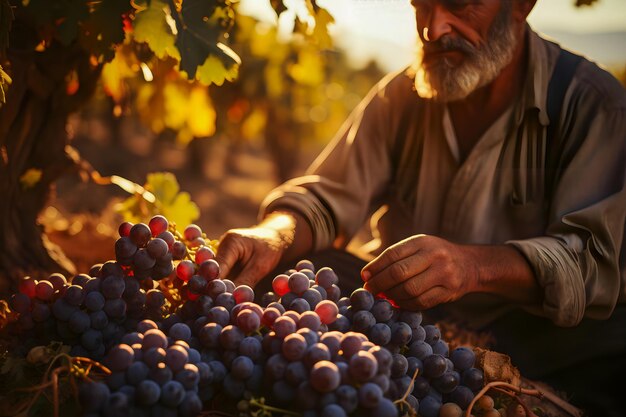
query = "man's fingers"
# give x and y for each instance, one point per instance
(393, 254)
(396, 273)
(251, 273)
(227, 255)
(430, 298)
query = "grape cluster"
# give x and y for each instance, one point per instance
(147, 251)
(152, 374)
(179, 338)
(90, 313)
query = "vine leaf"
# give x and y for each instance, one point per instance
(150, 26)
(5, 80)
(104, 28)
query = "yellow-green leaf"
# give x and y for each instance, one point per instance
(151, 26)
(164, 186)
(214, 72)
(182, 210)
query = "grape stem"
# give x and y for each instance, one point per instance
(255, 403)
(402, 401)
(502, 386)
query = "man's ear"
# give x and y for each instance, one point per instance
(522, 8)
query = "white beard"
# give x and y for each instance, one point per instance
(445, 82)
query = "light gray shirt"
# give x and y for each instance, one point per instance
(396, 160)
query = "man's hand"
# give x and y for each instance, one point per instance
(423, 271)
(248, 255)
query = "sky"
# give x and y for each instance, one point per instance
(384, 30)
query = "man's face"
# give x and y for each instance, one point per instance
(465, 45)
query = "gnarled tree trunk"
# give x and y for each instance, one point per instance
(33, 137)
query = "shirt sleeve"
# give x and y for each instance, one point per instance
(578, 262)
(336, 193)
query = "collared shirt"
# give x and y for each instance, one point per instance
(396, 160)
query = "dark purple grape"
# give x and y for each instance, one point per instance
(432, 334)
(243, 293)
(326, 277)
(370, 395)
(124, 248)
(294, 347)
(380, 334)
(296, 373)
(145, 325)
(91, 339)
(447, 382)
(242, 367)
(113, 287)
(98, 320)
(463, 358)
(154, 338)
(197, 284)
(219, 315)
(361, 299)
(284, 326)
(57, 280)
(161, 374)
(276, 366)
(420, 350)
(333, 410)
(414, 364)
(347, 398)
(441, 348)
(115, 308)
(382, 310)
(385, 408)
(189, 376)
(215, 288)
(325, 376)
(399, 365)
(180, 331)
(333, 293)
(168, 237)
(60, 308)
(298, 283)
(142, 261)
(363, 321)
(231, 337)
(429, 406)
(401, 333)
(179, 250)
(21, 303)
(209, 269)
(462, 396)
(341, 324)
(140, 234)
(299, 305)
(251, 347)
(157, 248)
(172, 393)
(434, 366)
(155, 299)
(363, 366)
(92, 396)
(40, 312)
(473, 379)
(225, 300)
(79, 321)
(74, 295)
(248, 321)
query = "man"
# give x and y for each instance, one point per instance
(481, 219)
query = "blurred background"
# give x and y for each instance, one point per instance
(227, 146)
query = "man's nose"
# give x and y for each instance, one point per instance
(438, 23)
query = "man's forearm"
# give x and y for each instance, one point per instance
(504, 271)
(295, 232)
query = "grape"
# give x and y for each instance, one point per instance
(399, 365)
(385, 408)
(382, 310)
(180, 331)
(172, 393)
(312, 297)
(188, 376)
(161, 374)
(350, 344)
(305, 264)
(363, 321)
(158, 224)
(191, 405)
(219, 315)
(137, 372)
(140, 234)
(124, 229)
(98, 320)
(248, 321)
(91, 339)
(276, 366)
(40, 312)
(215, 288)
(21, 303)
(231, 337)
(243, 293)
(93, 285)
(225, 300)
(28, 286)
(441, 348)
(192, 232)
(332, 340)
(124, 248)
(326, 277)
(79, 321)
(420, 350)
(283, 393)
(462, 396)
(269, 316)
(242, 367)
(284, 326)
(380, 334)
(204, 254)
(145, 325)
(230, 286)
(447, 382)
(429, 407)
(94, 301)
(327, 311)
(333, 293)
(400, 333)
(115, 308)
(363, 366)
(333, 410)
(294, 347)
(280, 284)
(325, 376)
(179, 250)
(414, 364)
(309, 320)
(155, 299)
(361, 299)
(463, 358)
(251, 347)
(113, 287)
(299, 305)
(154, 338)
(432, 334)
(157, 248)
(209, 269)
(370, 395)
(92, 396)
(298, 283)
(80, 280)
(168, 237)
(341, 324)
(434, 366)
(347, 398)
(473, 379)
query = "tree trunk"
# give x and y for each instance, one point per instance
(33, 137)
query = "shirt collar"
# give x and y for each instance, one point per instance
(542, 57)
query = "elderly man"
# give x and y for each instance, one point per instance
(495, 170)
